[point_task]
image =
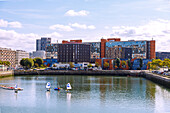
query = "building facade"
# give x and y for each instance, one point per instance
(8, 55)
(94, 50)
(41, 54)
(19, 55)
(41, 44)
(162, 55)
(73, 52)
(51, 51)
(140, 49)
(38, 44)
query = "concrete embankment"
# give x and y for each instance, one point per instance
(164, 81)
(69, 72)
(6, 73)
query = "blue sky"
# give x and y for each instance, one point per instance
(23, 21)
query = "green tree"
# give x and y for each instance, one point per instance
(27, 63)
(1, 62)
(129, 63)
(118, 62)
(124, 64)
(89, 65)
(38, 60)
(106, 65)
(36, 65)
(141, 62)
(71, 64)
(54, 65)
(6, 63)
(97, 64)
(22, 62)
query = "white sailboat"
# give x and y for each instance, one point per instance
(48, 86)
(68, 86)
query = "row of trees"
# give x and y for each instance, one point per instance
(29, 63)
(117, 63)
(6, 63)
(157, 63)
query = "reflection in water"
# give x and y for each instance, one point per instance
(48, 95)
(68, 99)
(96, 93)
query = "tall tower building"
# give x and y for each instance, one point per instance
(44, 42)
(38, 44)
(41, 44)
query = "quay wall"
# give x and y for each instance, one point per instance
(6, 73)
(81, 72)
(164, 81)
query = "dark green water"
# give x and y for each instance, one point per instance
(90, 94)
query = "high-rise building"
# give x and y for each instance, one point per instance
(41, 44)
(8, 55)
(73, 52)
(38, 44)
(19, 55)
(44, 42)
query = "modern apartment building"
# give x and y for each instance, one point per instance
(140, 49)
(41, 44)
(51, 51)
(19, 55)
(73, 52)
(94, 50)
(8, 55)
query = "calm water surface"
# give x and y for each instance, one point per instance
(90, 94)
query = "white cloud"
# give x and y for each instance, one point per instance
(61, 27)
(54, 35)
(159, 30)
(82, 26)
(3, 23)
(14, 40)
(79, 13)
(91, 27)
(14, 24)
(106, 27)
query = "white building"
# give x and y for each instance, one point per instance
(19, 55)
(41, 54)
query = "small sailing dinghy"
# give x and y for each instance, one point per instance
(58, 88)
(68, 86)
(48, 86)
(17, 88)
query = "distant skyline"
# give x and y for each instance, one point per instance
(24, 21)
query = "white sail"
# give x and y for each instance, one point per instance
(48, 85)
(69, 86)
